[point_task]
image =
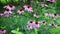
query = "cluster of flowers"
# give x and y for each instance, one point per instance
(10, 7)
(31, 23)
(8, 10)
(34, 24)
(44, 4)
(52, 15)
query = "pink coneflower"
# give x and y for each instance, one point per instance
(1, 14)
(44, 23)
(20, 11)
(32, 24)
(10, 7)
(51, 15)
(56, 15)
(28, 8)
(29, 27)
(3, 31)
(36, 15)
(51, 0)
(37, 25)
(7, 13)
(53, 25)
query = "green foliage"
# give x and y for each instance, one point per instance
(3, 1)
(15, 20)
(16, 31)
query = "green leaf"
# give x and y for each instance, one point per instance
(58, 21)
(16, 31)
(36, 31)
(13, 31)
(15, 0)
(3, 1)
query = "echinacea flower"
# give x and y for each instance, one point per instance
(29, 27)
(7, 13)
(48, 14)
(37, 25)
(1, 14)
(44, 23)
(10, 7)
(50, 0)
(52, 25)
(36, 15)
(56, 15)
(28, 8)
(3, 31)
(32, 24)
(51, 15)
(20, 11)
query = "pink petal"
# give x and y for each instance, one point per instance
(20, 12)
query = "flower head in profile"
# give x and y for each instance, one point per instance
(10, 7)
(20, 11)
(52, 25)
(28, 8)
(51, 15)
(7, 13)
(3, 31)
(56, 15)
